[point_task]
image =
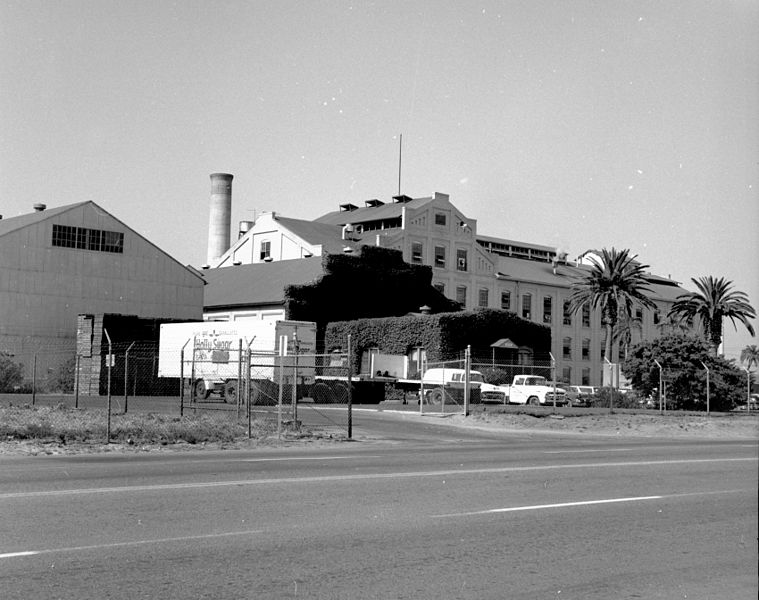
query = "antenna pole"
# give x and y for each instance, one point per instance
(400, 157)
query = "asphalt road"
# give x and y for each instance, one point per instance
(433, 512)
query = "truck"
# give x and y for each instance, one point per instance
(438, 382)
(535, 390)
(213, 356)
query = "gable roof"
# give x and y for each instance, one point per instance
(371, 213)
(258, 283)
(15, 223)
(324, 234)
(29, 219)
(543, 273)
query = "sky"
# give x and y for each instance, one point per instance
(574, 124)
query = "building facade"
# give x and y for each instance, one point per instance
(56, 264)
(531, 280)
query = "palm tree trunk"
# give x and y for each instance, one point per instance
(607, 351)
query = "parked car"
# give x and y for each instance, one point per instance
(582, 394)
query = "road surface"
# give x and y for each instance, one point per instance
(435, 512)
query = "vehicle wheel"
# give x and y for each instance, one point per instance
(435, 397)
(533, 401)
(200, 391)
(230, 392)
(322, 394)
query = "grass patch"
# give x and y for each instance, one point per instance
(63, 425)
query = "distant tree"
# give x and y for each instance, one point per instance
(61, 379)
(615, 284)
(681, 357)
(627, 326)
(674, 325)
(714, 301)
(11, 373)
(750, 356)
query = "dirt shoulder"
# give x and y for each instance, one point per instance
(672, 425)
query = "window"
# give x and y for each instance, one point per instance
(586, 376)
(483, 297)
(657, 317)
(586, 349)
(526, 306)
(440, 256)
(566, 374)
(506, 300)
(66, 236)
(547, 309)
(567, 313)
(440, 287)
(566, 348)
(586, 316)
(639, 315)
(265, 250)
(603, 350)
(440, 219)
(461, 294)
(461, 259)
(417, 252)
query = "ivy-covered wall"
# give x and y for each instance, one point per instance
(375, 283)
(444, 336)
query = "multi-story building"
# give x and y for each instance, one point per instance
(531, 280)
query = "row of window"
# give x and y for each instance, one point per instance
(567, 375)
(66, 236)
(440, 259)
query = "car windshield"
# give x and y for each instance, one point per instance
(475, 376)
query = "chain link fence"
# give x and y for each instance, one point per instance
(238, 388)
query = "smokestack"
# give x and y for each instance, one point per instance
(220, 219)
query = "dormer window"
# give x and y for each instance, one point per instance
(440, 219)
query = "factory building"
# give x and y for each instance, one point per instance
(58, 263)
(534, 281)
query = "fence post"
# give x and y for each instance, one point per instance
(707, 386)
(553, 378)
(126, 376)
(34, 380)
(76, 382)
(467, 368)
(110, 354)
(181, 382)
(748, 390)
(295, 378)
(248, 384)
(350, 390)
(661, 378)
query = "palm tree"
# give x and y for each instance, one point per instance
(615, 284)
(750, 356)
(673, 325)
(714, 301)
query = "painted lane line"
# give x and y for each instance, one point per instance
(491, 511)
(542, 506)
(362, 477)
(293, 458)
(587, 451)
(170, 540)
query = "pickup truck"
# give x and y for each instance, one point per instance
(533, 389)
(437, 379)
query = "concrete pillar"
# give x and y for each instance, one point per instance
(220, 219)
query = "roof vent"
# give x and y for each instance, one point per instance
(237, 263)
(402, 199)
(39, 207)
(374, 203)
(268, 259)
(348, 207)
